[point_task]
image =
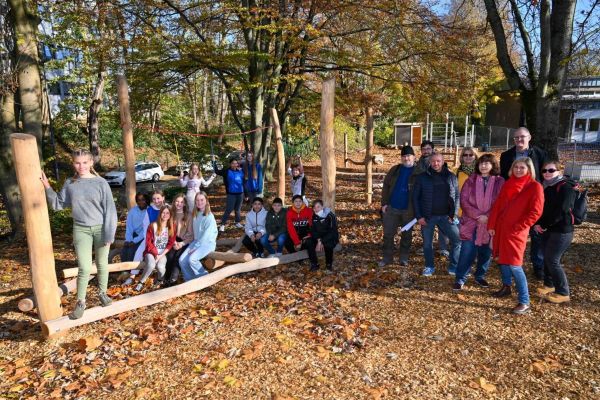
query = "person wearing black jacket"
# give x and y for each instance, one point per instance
(556, 227)
(324, 235)
(276, 228)
(522, 149)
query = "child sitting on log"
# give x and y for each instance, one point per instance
(255, 228)
(160, 238)
(94, 223)
(152, 211)
(299, 221)
(204, 227)
(324, 235)
(276, 229)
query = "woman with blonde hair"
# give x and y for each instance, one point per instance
(468, 158)
(204, 228)
(518, 207)
(182, 221)
(194, 182)
(94, 223)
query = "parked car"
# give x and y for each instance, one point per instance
(144, 171)
(205, 165)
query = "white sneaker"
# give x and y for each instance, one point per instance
(128, 282)
(238, 225)
(222, 228)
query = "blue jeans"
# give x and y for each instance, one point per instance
(508, 271)
(191, 267)
(448, 229)
(468, 251)
(264, 240)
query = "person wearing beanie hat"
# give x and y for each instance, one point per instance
(396, 206)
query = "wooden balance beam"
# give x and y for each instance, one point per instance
(118, 244)
(70, 286)
(58, 326)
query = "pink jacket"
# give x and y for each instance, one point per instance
(472, 209)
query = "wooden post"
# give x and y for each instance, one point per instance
(123, 96)
(369, 154)
(327, 138)
(280, 155)
(70, 286)
(37, 225)
(345, 149)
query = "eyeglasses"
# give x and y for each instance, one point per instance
(550, 170)
(521, 137)
(468, 155)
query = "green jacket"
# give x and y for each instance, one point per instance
(390, 181)
(276, 223)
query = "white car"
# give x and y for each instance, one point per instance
(144, 171)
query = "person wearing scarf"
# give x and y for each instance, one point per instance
(556, 228)
(478, 194)
(323, 234)
(518, 207)
(468, 159)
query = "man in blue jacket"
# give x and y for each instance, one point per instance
(233, 179)
(436, 202)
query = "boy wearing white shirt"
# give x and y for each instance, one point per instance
(255, 228)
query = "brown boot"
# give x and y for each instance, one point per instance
(503, 292)
(557, 298)
(545, 290)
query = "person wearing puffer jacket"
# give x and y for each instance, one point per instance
(324, 235)
(255, 228)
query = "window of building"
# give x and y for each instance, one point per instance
(594, 125)
(580, 124)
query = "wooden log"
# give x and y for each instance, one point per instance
(227, 242)
(127, 134)
(115, 267)
(280, 155)
(327, 138)
(369, 154)
(69, 286)
(60, 325)
(345, 149)
(230, 257)
(37, 225)
(212, 264)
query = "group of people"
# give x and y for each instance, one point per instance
(485, 210)
(173, 240)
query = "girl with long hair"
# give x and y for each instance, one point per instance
(94, 223)
(194, 182)
(183, 237)
(253, 177)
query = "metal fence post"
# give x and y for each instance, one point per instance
(427, 126)
(574, 152)
(507, 137)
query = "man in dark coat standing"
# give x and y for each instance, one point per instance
(523, 149)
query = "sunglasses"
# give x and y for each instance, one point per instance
(468, 155)
(551, 170)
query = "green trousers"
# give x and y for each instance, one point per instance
(86, 238)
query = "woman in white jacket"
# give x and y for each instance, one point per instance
(205, 239)
(255, 228)
(194, 182)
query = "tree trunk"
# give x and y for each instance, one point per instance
(8, 179)
(369, 154)
(280, 155)
(30, 91)
(123, 96)
(328, 142)
(93, 114)
(205, 102)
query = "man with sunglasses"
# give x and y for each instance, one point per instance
(522, 149)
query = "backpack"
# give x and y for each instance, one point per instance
(580, 205)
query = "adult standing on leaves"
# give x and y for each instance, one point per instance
(233, 179)
(518, 207)
(556, 228)
(94, 223)
(396, 206)
(523, 149)
(253, 178)
(435, 202)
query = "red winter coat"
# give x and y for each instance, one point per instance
(512, 220)
(299, 223)
(151, 240)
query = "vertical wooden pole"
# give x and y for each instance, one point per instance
(37, 225)
(369, 154)
(280, 155)
(345, 149)
(327, 138)
(123, 96)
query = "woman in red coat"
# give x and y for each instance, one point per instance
(519, 205)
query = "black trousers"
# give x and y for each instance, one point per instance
(172, 268)
(254, 247)
(312, 252)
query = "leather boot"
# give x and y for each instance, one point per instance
(503, 292)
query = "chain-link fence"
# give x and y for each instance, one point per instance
(582, 160)
(450, 135)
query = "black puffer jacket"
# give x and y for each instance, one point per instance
(558, 207)
(325, 228)
(423, 193)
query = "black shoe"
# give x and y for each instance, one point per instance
(482, 282)
(314, 267)
(403, 263)
(457, 287)
(329, 267)
(504, 292)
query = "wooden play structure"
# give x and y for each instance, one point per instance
(46, 290)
